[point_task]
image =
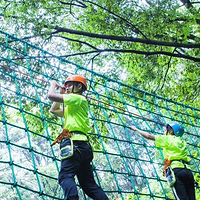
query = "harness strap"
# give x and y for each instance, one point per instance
(77, 132)
(83, 136)
(64, 134)
(167, 163)
(184, 162)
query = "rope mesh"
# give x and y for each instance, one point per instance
(125, 165)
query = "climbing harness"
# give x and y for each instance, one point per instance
(167, 163)
(169, 173)
(66, 148)
(64, 134)
(170, 176)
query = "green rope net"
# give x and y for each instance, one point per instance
(125, 165)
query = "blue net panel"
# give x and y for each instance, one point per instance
(125, 165)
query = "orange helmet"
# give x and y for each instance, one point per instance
(77, 78)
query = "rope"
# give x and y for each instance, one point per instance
(145, 118)
(125, 165)
(99, 101)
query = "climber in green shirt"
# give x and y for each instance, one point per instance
(76, 152)
(177, 162)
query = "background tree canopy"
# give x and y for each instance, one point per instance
(153, 45)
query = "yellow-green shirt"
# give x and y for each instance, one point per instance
(174, 148)
(76, 115)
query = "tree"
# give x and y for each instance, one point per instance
(156, 41)
(155, 44)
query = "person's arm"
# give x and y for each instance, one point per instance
(56, 109)
(143, 133)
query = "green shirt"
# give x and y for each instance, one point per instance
(76, 115)
(174, 148)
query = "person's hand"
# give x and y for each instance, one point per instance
(62, 90)
(54, 83)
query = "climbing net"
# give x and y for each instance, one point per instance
(125, 165)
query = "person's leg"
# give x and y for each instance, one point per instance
(184, 186)
(85, 174)
(174, 192)
(68, 170)
(190, 189)
(70, 190)
(191, 192)
(179, 190)
(88, 184)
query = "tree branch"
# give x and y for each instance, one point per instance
(73, 40)
(178, 54)
(73, 4)
(127, 39)
(166, 72)
(138, 52)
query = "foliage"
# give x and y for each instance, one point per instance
(153, 46)
(156, 41)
